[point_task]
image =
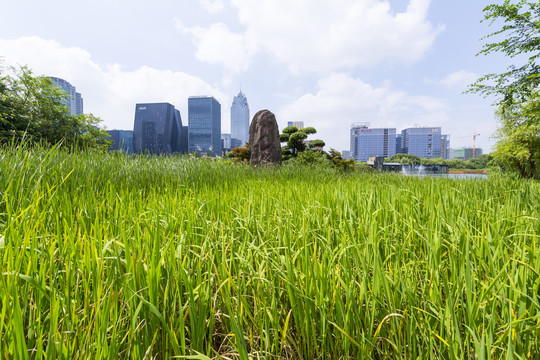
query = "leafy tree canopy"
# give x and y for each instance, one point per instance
(295, 141)
(240, 153)
(520, 35)
(308, 130)
(290, 130)
(316, 144)
(405, 159)
(32, 108)
(345, 165)
(518, 147)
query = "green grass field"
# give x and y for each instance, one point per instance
(111, 256)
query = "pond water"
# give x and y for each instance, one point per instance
(467, 176)
(449, 176)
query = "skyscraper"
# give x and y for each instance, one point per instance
(73, 100)
(239, 121)
(204, 114)
(445, 146)
(424, 142)
(366, 142)
(157, 129)
(399, 149)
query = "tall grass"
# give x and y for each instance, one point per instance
(113, 256)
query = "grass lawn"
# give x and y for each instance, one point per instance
(114, 256)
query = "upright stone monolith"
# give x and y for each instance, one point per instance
(264, 144)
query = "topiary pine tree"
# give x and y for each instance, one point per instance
(295, 140)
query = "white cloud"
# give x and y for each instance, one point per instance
(212, 6)
(218, 45)
(109, 92)
(459, 79)
(320, 35)
(342, 100)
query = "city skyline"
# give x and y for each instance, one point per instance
(396, 64)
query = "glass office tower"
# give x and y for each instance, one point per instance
(157, 129)
(399, 149)
(366, 142)
(424, 142)
(73, 100)
(445, 146)
(239, 121)
(204, 114)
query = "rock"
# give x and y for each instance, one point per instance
(264, 144)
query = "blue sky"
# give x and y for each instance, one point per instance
(329, 63)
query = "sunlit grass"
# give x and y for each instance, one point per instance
(113, 256)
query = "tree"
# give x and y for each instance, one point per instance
(521, 35)
(295, 141)
(311, 158)
(405, 159)
(455, 164)
(240, 153)
(31, 107)
(308, 130)
(316, 144)
(518, 147)
(337, 159)
(435, 161)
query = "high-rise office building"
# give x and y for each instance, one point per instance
(73, 100)
(366, 142)
(121, 140)
(204, 113)
(158, 129)
(424, 142)
(399, 149)
(445, 146)
(239, 121)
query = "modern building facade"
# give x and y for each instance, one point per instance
(399, 149)
(424, 142)
(366, 142)
(158, 129)
(204, 113)
(239, 121)
(467, 153)
(298, 124)
(73, 100)
(122, 140)
(445, 146)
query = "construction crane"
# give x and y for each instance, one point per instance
(473, 142)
